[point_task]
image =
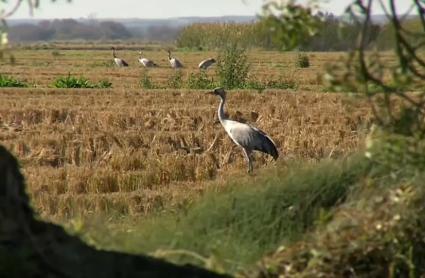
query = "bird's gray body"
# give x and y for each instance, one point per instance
(205, 64)
(118, 61)
(250, 138)
(175, 63)
(146, 62)
(244, 135)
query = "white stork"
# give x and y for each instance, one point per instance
(244, 135)
(175, 64)
(205, 64)
(118, 61)
(146, 62)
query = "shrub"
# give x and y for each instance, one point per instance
(200, 81)
(104, 84)
(80, 82)
(232, 66)
(56, 53)
(146, 81)
(303, 61)
(175, 81)
(7, 81)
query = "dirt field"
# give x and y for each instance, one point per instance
(130, 151)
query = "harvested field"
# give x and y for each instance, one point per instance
(131, 151)
(41, 67)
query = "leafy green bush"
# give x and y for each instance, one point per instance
(7, 81)
(175, 81)
(146, 81)
(56, 53)
(200, 80)
(79, 82)
(232, 66)
(104, 84)
(302, 60)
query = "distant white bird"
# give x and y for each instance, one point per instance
(245, 135)
(146, 62)
(118, 61)
(205, 64)
(175, 64)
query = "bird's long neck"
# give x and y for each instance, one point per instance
(169, 56)
(113, 53)
(221, 115)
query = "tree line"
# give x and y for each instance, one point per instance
(68, 29)
(333, 34)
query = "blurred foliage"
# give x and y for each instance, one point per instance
(395, 90)
(289, 23)
(386, 39)
(5, 13)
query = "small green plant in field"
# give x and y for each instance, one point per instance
(232, 67)
(79, 82)
(200, 81)
(56, 53)
(175, 81)
(255, 85)
(7, 81)
(302, 60)
(146, 81)
(281, 83)
(103, 84)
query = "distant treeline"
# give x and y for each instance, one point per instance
(334, 35)
(69, 29)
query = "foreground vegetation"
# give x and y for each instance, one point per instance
(349, 216)
(235, 227)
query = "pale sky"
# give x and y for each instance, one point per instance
(160, 8)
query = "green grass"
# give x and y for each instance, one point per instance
(303, 61)
(236, 227)
(8, 81)
(79, 82)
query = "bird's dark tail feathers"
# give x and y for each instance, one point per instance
(269, 147)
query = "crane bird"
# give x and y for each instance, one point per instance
(244, 135)
(146, 62)
(118, 61)
(175, 64)
(205, 64)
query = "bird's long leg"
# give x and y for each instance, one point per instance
(247, 154)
